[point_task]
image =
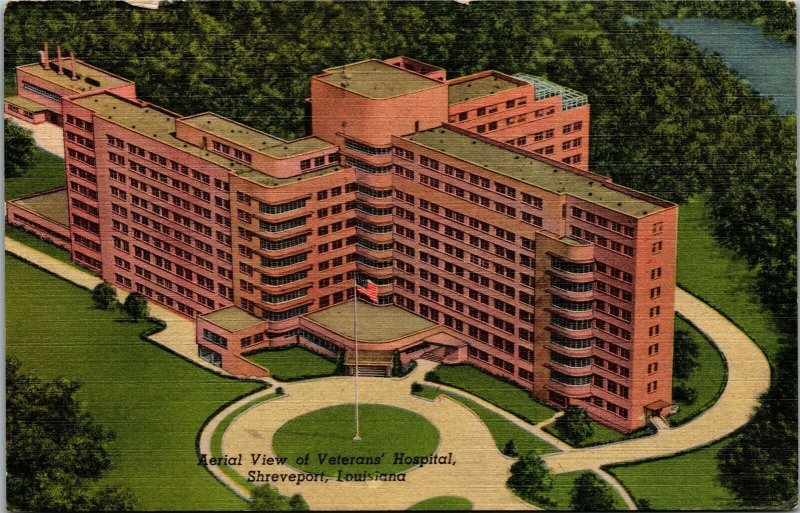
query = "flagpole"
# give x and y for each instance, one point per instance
(356, 438)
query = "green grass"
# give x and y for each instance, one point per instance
(47, 172)
(687, 481)
(216, 437)
(501, 429)
(708, 379)
(501, 393)
(718, 277)
(48, 248)
(443, 503)
(293, 363)
(602, 435)
(153, 400)
(329, 431)
(562, 486)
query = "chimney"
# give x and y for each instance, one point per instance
(58, 58)
(72, 65)
(45, 56)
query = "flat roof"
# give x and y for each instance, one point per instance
(375, 323)
(148, 121)
(534, 171)
(265, 179)
(51, 205)
(232, 318)
(376, 79)
(479, 87)
(84, 71)
(254, 139)
(25, 103)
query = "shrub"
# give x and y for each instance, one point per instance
(416, 388)
(575, 425)
(280, 391)
(530, 477)
(433, 377)
(104, 295)
(683, 393)
(510, 449)
(135, 306)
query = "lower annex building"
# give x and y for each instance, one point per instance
(467, 201)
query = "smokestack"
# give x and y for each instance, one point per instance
(60, 63)
(72, 65)
(45, 56)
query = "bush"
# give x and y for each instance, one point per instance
(590, 493)
(575, 426)
(416, 388)
(433, 377)
(280, 391)
(530, 477)
(510, 449)
(135, 306)
(104, 295)
(684, 394)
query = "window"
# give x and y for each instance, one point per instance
(655, 292)
(658, 227)
(653, 349)
(658, 246)
(652, 368)
(652, 386)
(655, 311)
(654, 330)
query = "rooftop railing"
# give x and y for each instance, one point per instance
(543, 88)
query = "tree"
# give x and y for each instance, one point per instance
(510, 449)
(104, 295)
(685, 353)
(590, 493)
(19, 147)
(135, 306)
(55, 450)
(397, 365)
(530, 477)
(575, 425)
(267, 498)
(298, 503)
(683, 393)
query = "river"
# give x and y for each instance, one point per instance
(767, 64)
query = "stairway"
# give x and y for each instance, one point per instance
(659, 423)
(370, 371)
(434, 355)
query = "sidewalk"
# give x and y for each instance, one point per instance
(47, 136)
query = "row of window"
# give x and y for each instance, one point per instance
(489, 109)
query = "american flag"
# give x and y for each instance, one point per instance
(367, 287)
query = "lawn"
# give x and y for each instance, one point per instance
(601, 435)
(20, 235)
(329, 431)
(47, 172)
(688, 481)
(443, 503)
(153, 400)
(293, 363)
(562, 486)
(708, 379)
(501, 393)
(725, 282)
(501, 429)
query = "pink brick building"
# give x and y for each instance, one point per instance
(467, 201)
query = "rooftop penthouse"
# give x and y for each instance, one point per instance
(377, 80)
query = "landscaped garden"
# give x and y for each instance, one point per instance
(153, 400)
(329, 431)
(501, 429)
(501, 393)
(293, 363)
(443, 503)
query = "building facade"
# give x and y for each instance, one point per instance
(467, 201)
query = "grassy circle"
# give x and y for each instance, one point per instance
(443, 503)
(328, 434)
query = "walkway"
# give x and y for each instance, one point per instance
(482, 470)
(178, 336)
(47, 136)
(479, 474)
(748, 378)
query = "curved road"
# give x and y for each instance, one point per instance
(748, 378)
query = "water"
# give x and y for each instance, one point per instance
(767, 64)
